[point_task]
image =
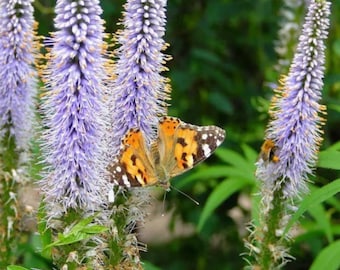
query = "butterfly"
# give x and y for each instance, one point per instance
(178, 148)
(269, 151)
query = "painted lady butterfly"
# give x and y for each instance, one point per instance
(178, 148)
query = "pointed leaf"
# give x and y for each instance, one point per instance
(149, 266)
(222, 192)
(81, 225)
(232, 158)
(319, 214)
(94, 229)
(250, 154)
(328, 258)
(334, 147)
(315, 197)
(69, 239)
(214, 172)
(16, 267)
(329, 159)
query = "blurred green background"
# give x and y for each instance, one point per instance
(223, 63)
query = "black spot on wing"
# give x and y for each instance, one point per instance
(182, 142)
(133, 159)
(184, 157)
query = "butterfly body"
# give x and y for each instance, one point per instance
(178, 148)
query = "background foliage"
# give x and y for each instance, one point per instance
(223, 61)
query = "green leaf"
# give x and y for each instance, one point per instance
(16, 267)
(335, 203)
(329, 159)
(336, 229)
(319, 214)
(80, 231)
(334, 147)
(213, 172)
(81, 225)
(149, 266)
(315, 197)
(328, 258)
(250, 154)
(200, 174)
(94, 229)
(234, 159)
(331, 201)
(69, 239)
(222, 192)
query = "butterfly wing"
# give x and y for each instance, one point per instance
(166, 140)
(183, 145)
(133, 167)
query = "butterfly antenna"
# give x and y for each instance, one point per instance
(163, 210)
(186, 195)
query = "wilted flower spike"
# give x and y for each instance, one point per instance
(73, 105)
(288, 32)
(139, 91)
(295, 128)
(17, 76)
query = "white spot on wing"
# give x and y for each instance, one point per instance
(118, 169)
(126, 180)
(206, 150)
(115, 182)
(190, 160)
(204, 136)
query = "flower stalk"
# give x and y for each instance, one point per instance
(139, 98)
(73, 185)
(17, 92)
(295, 135)
(140, 91)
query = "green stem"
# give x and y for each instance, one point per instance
(267, 258)
(8, 204)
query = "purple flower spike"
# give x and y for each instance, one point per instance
(295, 128)
(139, 91)
(17, 76)
(73, 106)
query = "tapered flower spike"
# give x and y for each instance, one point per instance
(17, 75)
(17, 92)
(139, 91)
(73, 106)
(296, 125)
(139, 95)
(289, 152)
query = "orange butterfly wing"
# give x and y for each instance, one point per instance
(133, 166)
(178, 148)
(183, 145)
